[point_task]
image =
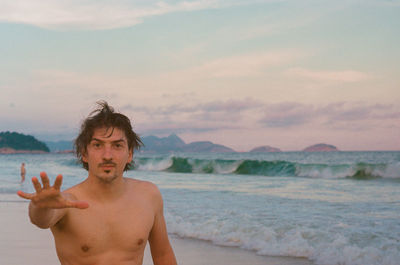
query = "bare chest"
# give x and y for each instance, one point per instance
(119, 228)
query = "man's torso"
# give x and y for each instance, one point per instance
(114, 232)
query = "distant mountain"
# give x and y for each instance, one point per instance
(162, 144)
(172, 143)
(320, 148)
(13, 142)
(205, 146)
(265, 149)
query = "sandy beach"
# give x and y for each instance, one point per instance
(22, 243)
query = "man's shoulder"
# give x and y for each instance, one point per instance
(142, 184)
(144, 187)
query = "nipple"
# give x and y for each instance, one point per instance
(85, 248)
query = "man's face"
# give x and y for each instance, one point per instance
(107, 154)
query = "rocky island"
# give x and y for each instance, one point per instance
(320, 148)
(17, 143)
(265, 149)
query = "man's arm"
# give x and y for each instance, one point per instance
(48, 205)
(161, 250)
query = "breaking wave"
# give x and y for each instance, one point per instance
(360, 171)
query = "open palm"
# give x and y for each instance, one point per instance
(47, 196)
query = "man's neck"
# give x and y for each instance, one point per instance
(104, 191)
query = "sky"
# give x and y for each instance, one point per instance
(242, 73)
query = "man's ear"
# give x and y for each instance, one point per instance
(84, 156)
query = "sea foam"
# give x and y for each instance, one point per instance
(314, 244)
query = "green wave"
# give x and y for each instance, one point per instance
(359, 171)
(266, 168)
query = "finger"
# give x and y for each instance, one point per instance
(78, 204)
(45, 180)
(36, 184)
(25, 195)
(58, 182)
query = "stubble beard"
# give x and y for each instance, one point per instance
(105, 176)
(107, 179)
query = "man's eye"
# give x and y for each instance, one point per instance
(96, 145)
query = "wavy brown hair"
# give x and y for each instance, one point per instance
(105, 117)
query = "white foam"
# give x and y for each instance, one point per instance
(392, 171)
(314, 244)
(326, 172)
(156, 165)
(228, 168)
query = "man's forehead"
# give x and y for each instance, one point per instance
(109, 133)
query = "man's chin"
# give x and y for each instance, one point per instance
(107, 178)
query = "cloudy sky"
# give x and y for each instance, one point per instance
(242, 73)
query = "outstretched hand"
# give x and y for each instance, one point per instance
(47, 196)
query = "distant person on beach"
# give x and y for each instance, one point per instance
(23, 172)
(107, 218)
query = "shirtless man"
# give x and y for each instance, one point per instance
(23, 172)
(107, 218)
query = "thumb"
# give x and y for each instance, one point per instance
(78, 204)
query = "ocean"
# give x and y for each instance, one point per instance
(331, 208)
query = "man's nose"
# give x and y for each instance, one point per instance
(107, 153)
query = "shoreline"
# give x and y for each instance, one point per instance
(10, 151)
(23, 243)
(199, 252)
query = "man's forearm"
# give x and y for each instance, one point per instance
(44, 217)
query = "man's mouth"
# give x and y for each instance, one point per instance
(107, 166)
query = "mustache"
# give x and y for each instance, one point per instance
(107, 163)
